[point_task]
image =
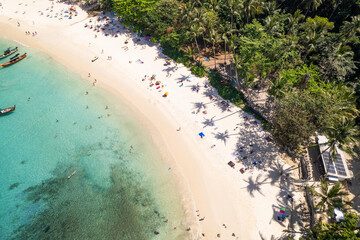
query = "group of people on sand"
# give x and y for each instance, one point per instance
(29, 33)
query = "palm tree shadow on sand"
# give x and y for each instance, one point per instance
(254, 185)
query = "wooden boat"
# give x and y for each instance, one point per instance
(7, 110)
(8, 52)
(15, 60)
(71, 174)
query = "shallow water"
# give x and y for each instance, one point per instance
(108, 197)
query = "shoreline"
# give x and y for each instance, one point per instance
(208, 184)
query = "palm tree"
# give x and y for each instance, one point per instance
(186, 15)
(341, 60)
(225, 33)
(214, 4)
(271, 26)
(350, 29)
(234, 6)
(195, 31)
(343, 134)
(214, 39)
(236, 61)
(329, 198)
(232, 46)
(312, 4)
(294, 20)
(251, 8)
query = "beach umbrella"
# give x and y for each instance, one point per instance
(166, 93)
(201, 134)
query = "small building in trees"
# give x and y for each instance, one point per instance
(335, 167)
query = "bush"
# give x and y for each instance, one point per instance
(198, 70)
(226, 90)
(177, 54)
(153, 39)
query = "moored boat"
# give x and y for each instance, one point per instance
(71, 174)
(8, 52)
(15, 60)
(7, 110)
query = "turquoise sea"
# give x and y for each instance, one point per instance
(108, 197)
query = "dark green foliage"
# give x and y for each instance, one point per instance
(226, 90)
(161, 17)
(178, 55)
(346, 229)
(300, 113)
(198, 70)
(302, 50)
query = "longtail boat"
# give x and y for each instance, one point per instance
(8, 52)
(71, 174)
(7, 110)
(15, 60)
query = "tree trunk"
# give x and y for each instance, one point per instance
(204, 44)
(214, 55)
(266, 43)
(225, 56)
(237, 77)
(336, 6)
(197, 46)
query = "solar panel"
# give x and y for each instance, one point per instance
(336, 166)
(331, 166)
(339, 165)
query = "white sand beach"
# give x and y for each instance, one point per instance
(247, 203)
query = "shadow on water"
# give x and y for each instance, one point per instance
(76, 209)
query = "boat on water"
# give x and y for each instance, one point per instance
(71, 174)
(8, 52)
(15, 60)
(7, 110)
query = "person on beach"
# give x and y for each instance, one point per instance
(106, 107)
(86, 93)
(28, 98)
(89, 153)
(89, 75)
(178, 129)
